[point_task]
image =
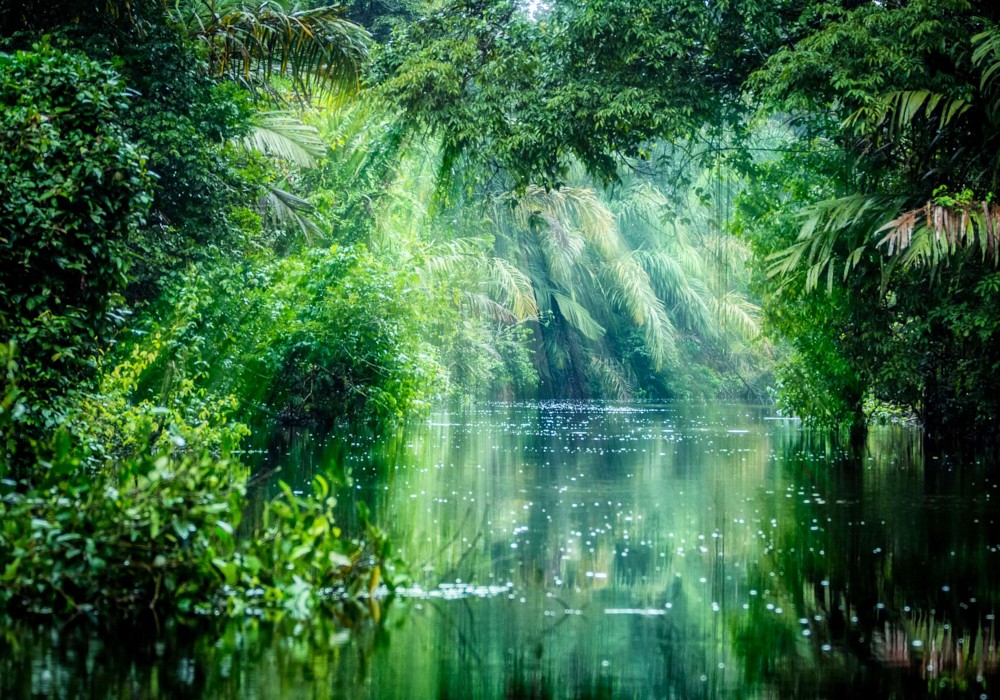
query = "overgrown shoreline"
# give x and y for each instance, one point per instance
(216, 209)
(160, 529)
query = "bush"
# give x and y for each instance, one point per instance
(347, 343)
(158, 533)
(72, 185)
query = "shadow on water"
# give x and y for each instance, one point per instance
(886, 564)
(210, 659)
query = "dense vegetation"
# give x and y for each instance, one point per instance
(220, 214)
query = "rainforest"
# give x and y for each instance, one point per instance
(548, 347)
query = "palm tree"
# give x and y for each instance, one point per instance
(248, 42)
(912, 229)
(251, 43)
(697, 266)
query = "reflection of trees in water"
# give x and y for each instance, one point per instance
(208, 658)
(884, 570)
(685, 490)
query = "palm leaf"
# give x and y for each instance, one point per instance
(610, 375)
(455, 257)
(834, 231)
(576, 208)
(577, 316)
(251, 42)
(513, 288)
(641, 206)
(285, 209)
(928, 236)
(900, 107)
(562, 248)
(634, 292)
(482, 306)
(986, 56)
(677, 287)
(284, 135)
(737, 315)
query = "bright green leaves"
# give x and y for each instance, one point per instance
(160, 535)
(323, 335)
(348, 344)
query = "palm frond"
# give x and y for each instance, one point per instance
(285, 209)
(634, 292)
(611, 377)
(454, 257)
(513, 288)
(482, 306)
(723, 249)
(251, 42)
(578, 208)
(674, 284)
(899, 108)
(986, 56)
(660, 338)
(834, 231)
(737, 315)
(283, 134)
(577, 316)
(641, 206)
(562, 248)
(929, 236)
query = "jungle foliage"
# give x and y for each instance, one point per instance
(221, 214)
(73, 186)
(901, 99)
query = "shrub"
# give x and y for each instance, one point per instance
(71, 185)
(159, 533)
(348, 342)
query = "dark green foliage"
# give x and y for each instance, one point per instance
(347, 344)
(915, 121)
(941, 358)
(146, 537)
(380, 17)
(72, 186)
(824, 377)
(185, 123)
(121, 491)
(136, 505)
(585, 81)
(107, 19)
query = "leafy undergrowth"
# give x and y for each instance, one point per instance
(160, 533)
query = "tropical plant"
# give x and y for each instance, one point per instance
(73, 188)
(911, 239)
(252, 43)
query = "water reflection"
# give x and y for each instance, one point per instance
(586, 551)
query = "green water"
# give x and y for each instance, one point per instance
(585, 551)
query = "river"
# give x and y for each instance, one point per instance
(618, 551)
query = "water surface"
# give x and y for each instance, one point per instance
(567, 550)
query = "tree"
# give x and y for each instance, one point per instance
(251, 43)
(530, 92)
(914, 109)
(73, 186)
